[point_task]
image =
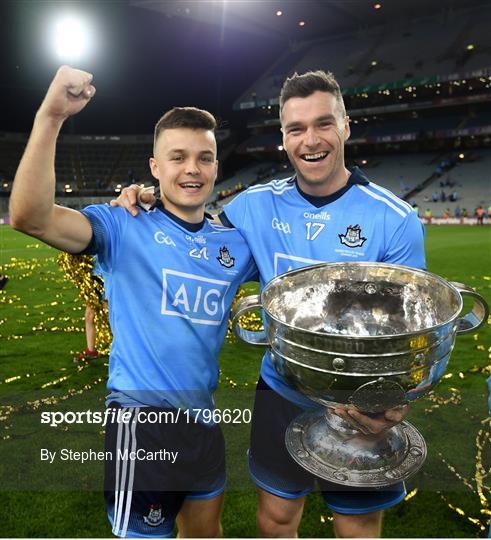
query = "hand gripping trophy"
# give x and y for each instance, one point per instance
(371, 335)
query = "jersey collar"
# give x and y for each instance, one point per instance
(191, 227)
(357, 177)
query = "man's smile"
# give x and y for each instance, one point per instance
(319, 156)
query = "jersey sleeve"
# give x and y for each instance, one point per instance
(234, 215)
(235, 212)
(406, 245)
(252, 273)
(108, 226)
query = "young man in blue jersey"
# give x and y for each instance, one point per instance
(173, 277)
(325, 213)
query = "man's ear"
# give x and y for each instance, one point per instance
(347, 130)
(283, 137)
(154, 168)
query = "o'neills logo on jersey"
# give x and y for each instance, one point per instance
(154, 518)
(352, 237)
(200, 239)
(322, 216)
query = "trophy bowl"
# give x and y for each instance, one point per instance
(371, 335)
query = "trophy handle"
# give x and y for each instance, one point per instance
(249, 336)
(479, 314)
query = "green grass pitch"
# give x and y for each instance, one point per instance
(41, 321)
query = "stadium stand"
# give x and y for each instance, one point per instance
(470, 180)
(387, 55)
(410, 112)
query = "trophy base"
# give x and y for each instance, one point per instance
(329, 448)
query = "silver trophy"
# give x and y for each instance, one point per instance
(372, 335)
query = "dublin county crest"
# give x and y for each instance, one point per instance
(154, 518)
(352, 237)
(225, 259)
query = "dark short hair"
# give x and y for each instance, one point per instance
(185, 117)
(306, 84)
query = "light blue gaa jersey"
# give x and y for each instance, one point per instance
(287, 229)
(169, 300)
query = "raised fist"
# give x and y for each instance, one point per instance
(69, 92)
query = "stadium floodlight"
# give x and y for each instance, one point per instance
(71, 39)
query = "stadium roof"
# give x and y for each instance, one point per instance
(151, 55)
(321, 17)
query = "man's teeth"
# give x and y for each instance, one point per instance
(191, 185)
(314, 157)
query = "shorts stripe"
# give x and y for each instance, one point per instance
(116, 492)
(120, 487)
(131, 479)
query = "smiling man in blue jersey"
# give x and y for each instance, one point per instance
(324, 213)
(173, 277)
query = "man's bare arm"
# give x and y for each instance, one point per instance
(32, 207)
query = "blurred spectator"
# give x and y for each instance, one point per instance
(457, 212)
(454, 196)
(446, 213)
(480, 215)
(464, 212)
(447, 182)
(435, 196)
(428, 215)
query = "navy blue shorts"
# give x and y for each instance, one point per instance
(152, 468)
(274, 470)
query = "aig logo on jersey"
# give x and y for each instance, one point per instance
(284, 263)
(199, 299)
(280, 226)
(352, 237)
